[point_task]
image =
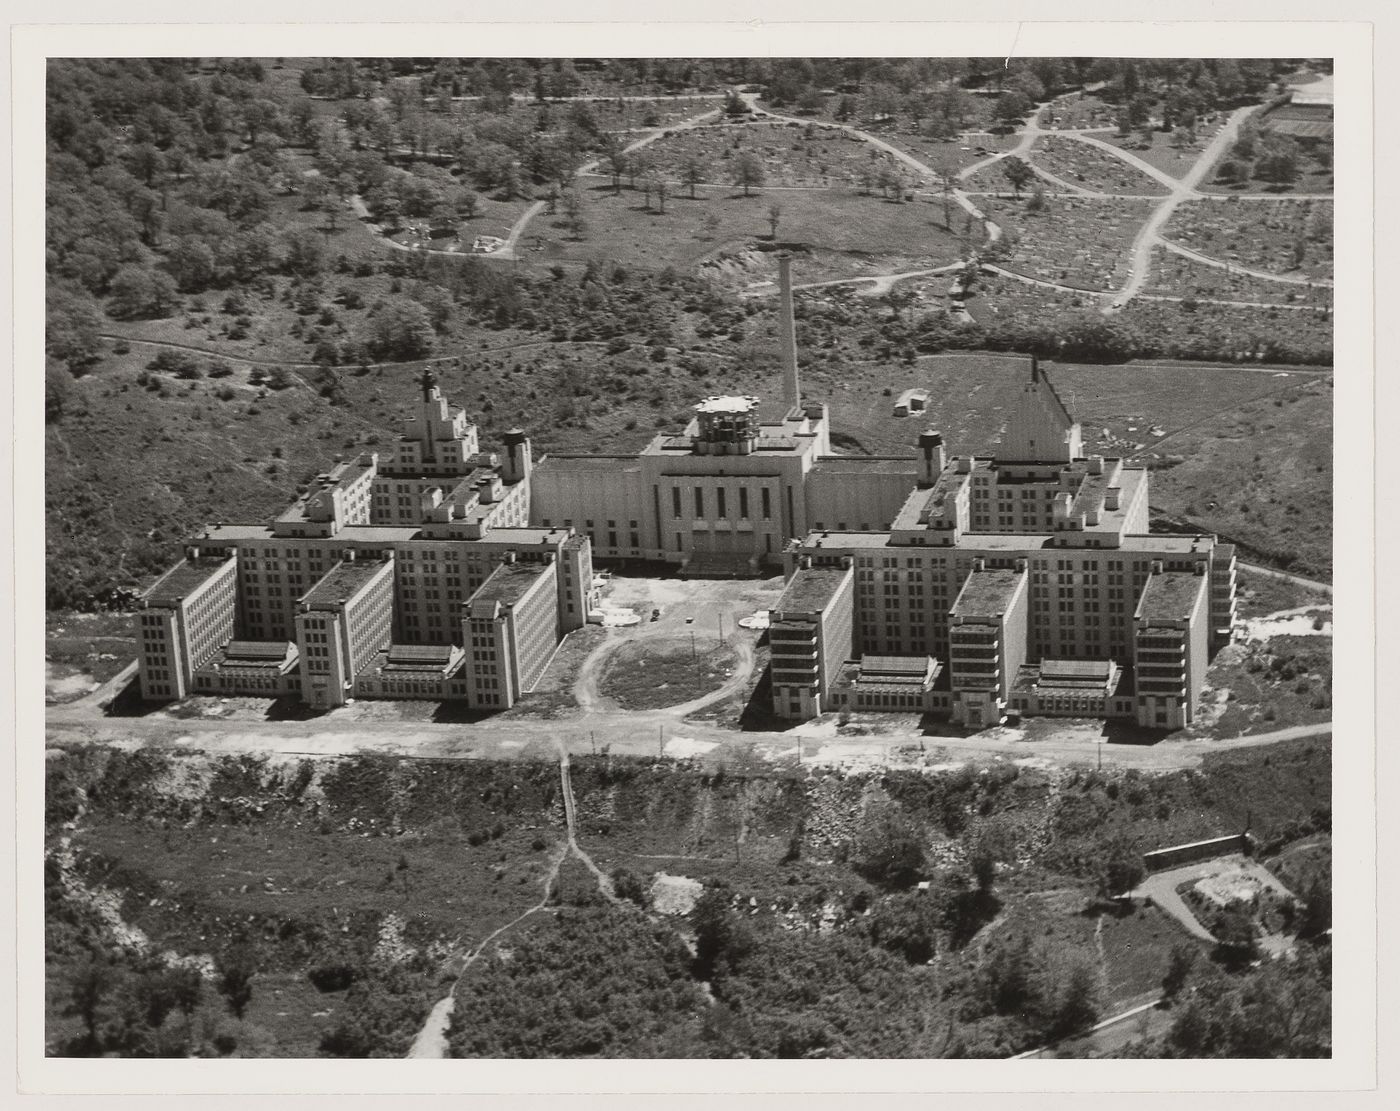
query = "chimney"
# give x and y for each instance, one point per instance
(787, 333)
(932, 456)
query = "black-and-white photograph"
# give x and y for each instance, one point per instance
(656, 557)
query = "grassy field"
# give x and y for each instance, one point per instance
(1283, 682)
(652, 674)
(1279, 237)
(834, 232)
(1259, 473)
(1261, 595)
(1091, 168)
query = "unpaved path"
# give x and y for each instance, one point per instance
(1185, 189)
(1262, 275)
(431, 1041)
(1160, 887)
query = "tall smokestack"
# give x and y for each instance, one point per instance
(787, 333)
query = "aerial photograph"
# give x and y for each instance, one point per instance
(662, 558)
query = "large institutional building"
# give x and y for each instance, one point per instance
(971, 587)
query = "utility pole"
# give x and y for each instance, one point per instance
(693, 656)
(660, 740)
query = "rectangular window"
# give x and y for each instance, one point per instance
(744, 502)
(675, 501)
(699, 502)
(767, 507)
(721, 512)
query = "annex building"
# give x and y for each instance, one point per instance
(413, 576)
(971, 587)
(1021, 582)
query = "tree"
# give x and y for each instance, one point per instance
(399, 328)
(138, 293)
(889, 847)
(775, 213)
(1120, 869)
(692, 173)
(71, 327)
(1013, 105)
(1179, 964)
(1316, 918)
(573, 213)
(235, 977)
(720, 935)
(91, 985)
(1078, 1006)
(748, 171)
(305, 256)
(1018, 172)
(946, 183)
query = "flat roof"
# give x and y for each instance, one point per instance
(1170, 595)
(988, 593)
(811, 588)
(868, 464)
(342, 582)
(508, 583)
(1012, 541)
(895, 665)
(184, 579)
(727, 403)
(556, 461)
(1075, 669)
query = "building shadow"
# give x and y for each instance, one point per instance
(1117, 732)
(459, 713)
(757, 715)
(289, 707)
(128, 703)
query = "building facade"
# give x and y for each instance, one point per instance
(1031, 581)
(1025, 581)
(381, 581)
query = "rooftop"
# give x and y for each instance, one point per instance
(988, 593)
(1016, 541)
(342, 582)
(727, 404)
(811, 589)
(895, 665)
(183, 579)
(868, 464)
(509, 582)
(1170, 595)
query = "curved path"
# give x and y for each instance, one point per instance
(1262, 275)
(1150, 233)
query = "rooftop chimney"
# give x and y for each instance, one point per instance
(787, 332)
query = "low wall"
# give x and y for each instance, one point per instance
(1177, 855)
